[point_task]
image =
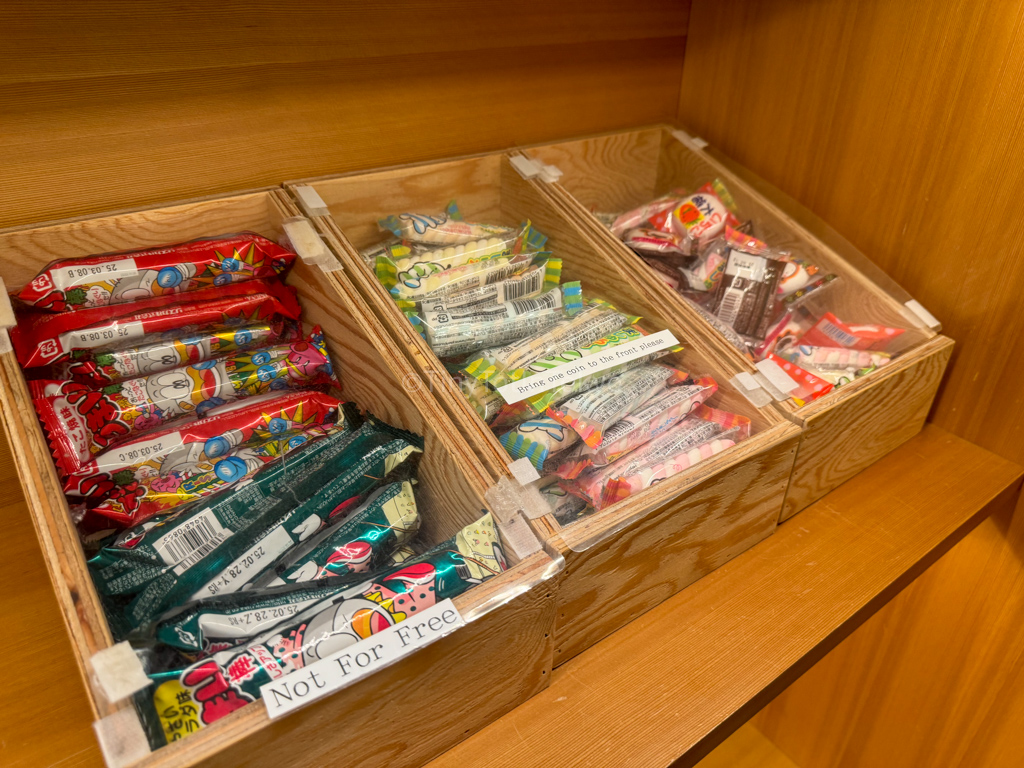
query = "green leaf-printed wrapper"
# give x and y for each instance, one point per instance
(188, 698)
(165, 561)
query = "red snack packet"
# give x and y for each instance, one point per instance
(811, 387)
(118, 278)
(700, 217)
(173, 349)
(830, 331)
(82, 421)
(164, 469)
(44, 338)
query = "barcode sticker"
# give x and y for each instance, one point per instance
(516, 289)
(78, 274)
(837, 334)
(729, 309)
(134, 453)
(101, 337)
(191, 541)
(549, 300)
(248, 564)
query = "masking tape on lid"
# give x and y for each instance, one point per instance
(305, 240)
(531, 168)
(311, 201)
(523, 471)
(122, 740)
(117, 672)
(518, 536)
(693, 142)
(779, 379)
(750, 388)
(929, 319)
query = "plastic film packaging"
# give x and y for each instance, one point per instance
(530, 283)
(565, 507)
(42, 338)
(453, 331)
(362, 542)
(652, 419)
(446, 227)
(213, 687)
(153, 354)
(539, 440)
(127, 276)
(593, 412)
(82, 421)
(701, 435)
(217, 546)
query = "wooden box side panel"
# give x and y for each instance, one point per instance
(410, 712)
(607, 586)
(841, 440)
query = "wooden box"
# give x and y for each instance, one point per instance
(500, 658)
(628, 557)
(848, 429)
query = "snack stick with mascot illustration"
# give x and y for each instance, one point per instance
(214, 686)
(82, 421)
(129, 276)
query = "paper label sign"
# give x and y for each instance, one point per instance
(595, 363)
(345, 667)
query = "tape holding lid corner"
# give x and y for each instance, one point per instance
(311, 201)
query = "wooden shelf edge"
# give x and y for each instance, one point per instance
(678, 680)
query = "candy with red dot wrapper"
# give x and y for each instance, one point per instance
(810, 388)
(830, 331)
(118, 278)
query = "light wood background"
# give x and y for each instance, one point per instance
(120, 104)
(900, 124)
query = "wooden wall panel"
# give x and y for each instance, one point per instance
(900, 124)
(148, 102)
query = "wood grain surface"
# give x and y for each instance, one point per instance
(122, 105)
(899, 123)
(683, 676)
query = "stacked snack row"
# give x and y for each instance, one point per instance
(241, 521)
(755, 295)
(490, 303)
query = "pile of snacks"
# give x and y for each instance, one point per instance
(756, 296)
(239, 519)
(490, 303)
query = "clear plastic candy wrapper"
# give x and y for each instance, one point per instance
(767, 302)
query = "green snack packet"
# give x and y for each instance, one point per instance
(167, 560)
(188, 698)
(362, 543)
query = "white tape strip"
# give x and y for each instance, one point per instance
(117, 672)
(749, 387)
(305, 240)
(774, 392)
(5, 341)
(929, 319)
(779, 379)
(311, 201)
(7, 318)
(525, 166)
(122, 740)
(523, 471)
(519, 537)
(693, 142)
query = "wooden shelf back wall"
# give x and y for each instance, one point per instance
(142, 103)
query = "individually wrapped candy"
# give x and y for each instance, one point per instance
(745, 296)
(218, 685)
(638, 216)
(117, 278)
(162, 352)
(699, 218)
(830, 331)
(44, 339)
(833, 358)
(82, 422)
(704, 433)
(421, 273)
(154, 473)
(444, 228)
(453, 331)
(653, 242)
(484, 400)
(555, 346)
(219, 546)
(726, 331)
(534, 405)
(530, 283)
(591, 414)
(362, 542)
(810, 387)
(652, 419)
(539, 440)
(565, 507)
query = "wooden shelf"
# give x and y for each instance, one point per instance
(678, 680)
(672, 684)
